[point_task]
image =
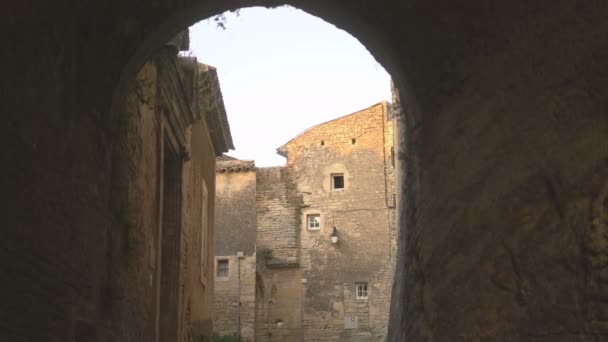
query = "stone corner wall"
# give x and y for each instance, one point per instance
(278, 217)
(235, 212)
(226, 299)
(359, 147)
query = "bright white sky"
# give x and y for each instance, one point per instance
(282, 71)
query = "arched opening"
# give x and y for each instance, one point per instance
(504, 220)
(280, 307)
(449, 86)
(355, 295)
(360, 28)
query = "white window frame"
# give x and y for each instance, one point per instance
(311, 215)
(362, 290)
(217, 268)
(333, 179)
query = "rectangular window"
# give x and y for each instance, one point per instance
(361, 290)
(314, 221)
(222, 268)
(337, 181)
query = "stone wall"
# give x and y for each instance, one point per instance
(235, 209)
(147, 135)
(504, 106)
(197, 300)
(279, 316)
(104, 277)
(278, 217)
(226, 299)
(235, 228)
(500, 241)
(357, 146)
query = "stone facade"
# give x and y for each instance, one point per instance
(174, 127)
(235, 226)
(358, 148)
(228, 290)
(132, 269)
(324, 306)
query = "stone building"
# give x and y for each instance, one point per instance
(174, 128)
(505, 179)
(235, 226)
(326, 233)
(145, 237)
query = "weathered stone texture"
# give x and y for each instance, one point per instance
(111, 260)
(498, 98)
(225, 301)
(197, 303)
(278, 217)
(279, 318)
(497, 240)
(235, 208)
(235, 228)
(359, 147)
(138, 216)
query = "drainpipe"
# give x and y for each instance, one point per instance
(302, 311)
(239, 256)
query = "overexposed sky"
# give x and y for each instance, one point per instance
(282, 71)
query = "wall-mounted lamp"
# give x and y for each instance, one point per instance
(334, 236)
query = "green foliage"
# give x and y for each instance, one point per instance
(205, 90)
(143, 89)
(225, 338)
(163, 58)
(220, 19)
(264, 254)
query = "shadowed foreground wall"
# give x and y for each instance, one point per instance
(504, 240)
(114, 273)
(505, 169)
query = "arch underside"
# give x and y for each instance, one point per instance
(503, 158)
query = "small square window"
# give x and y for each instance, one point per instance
(222, 268)
(361, 290)
(313, 221)
(337, 181)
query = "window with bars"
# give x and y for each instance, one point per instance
(361, 290)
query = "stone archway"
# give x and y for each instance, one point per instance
(505, 106)
(348, 20)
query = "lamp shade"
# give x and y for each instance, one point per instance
(334, 236)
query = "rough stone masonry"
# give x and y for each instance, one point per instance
(338, 181)
(504, 155)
